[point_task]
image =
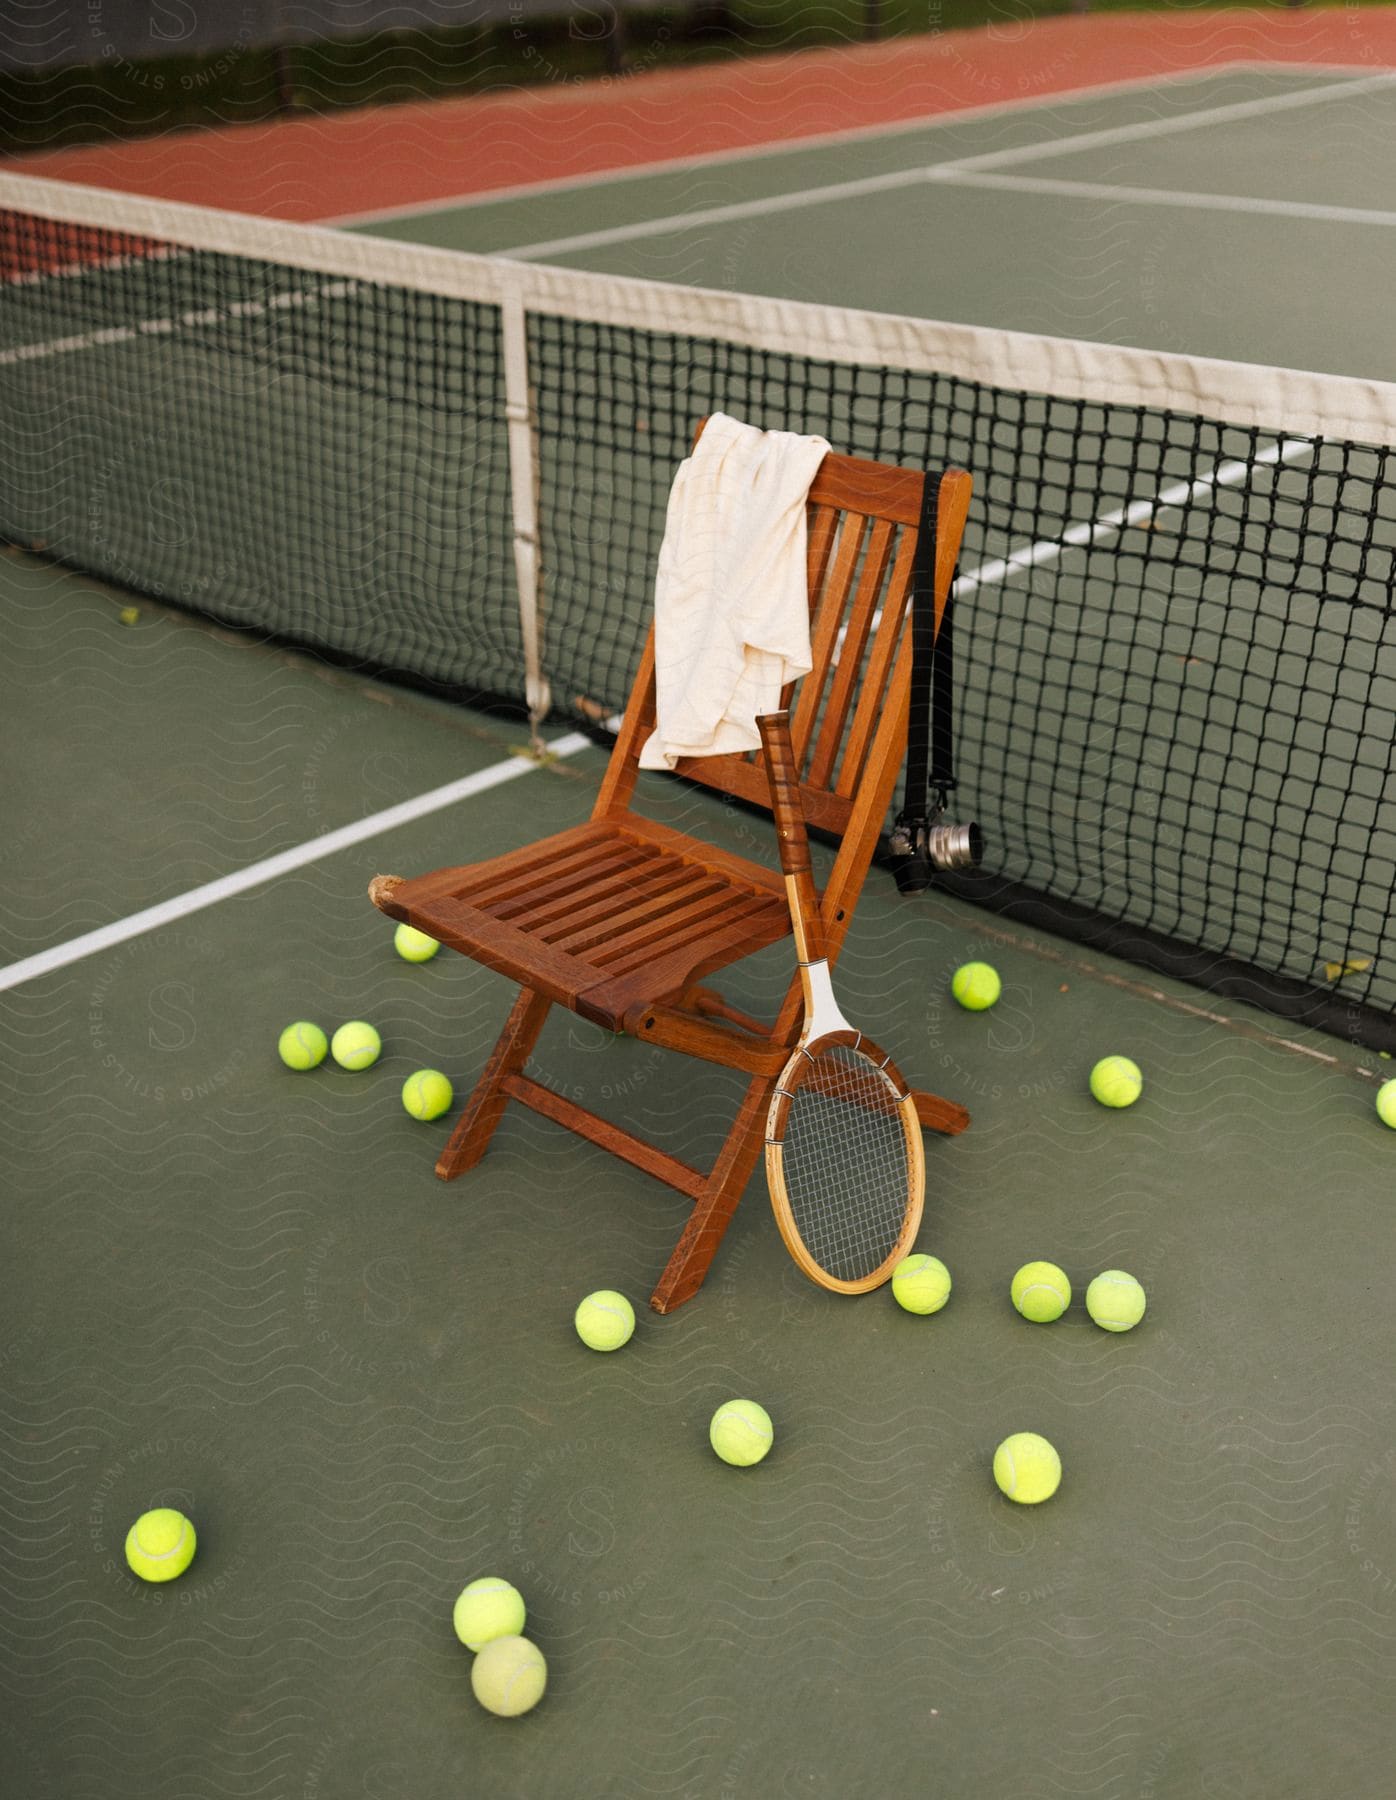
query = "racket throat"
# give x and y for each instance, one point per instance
(822, 1014)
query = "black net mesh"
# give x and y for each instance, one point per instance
(313, 456)
(1176, 649)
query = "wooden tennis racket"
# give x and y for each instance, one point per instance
(844, 1158)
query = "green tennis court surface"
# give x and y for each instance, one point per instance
(1245, 214)
(240, 1291)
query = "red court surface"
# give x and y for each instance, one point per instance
(401, 156)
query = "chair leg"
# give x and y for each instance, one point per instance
(935, 1114)
(483, 1111)
(713, 1209)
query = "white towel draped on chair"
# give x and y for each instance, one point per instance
(731, 603)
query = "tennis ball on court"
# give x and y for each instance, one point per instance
(1041, 1292)
(1115, 1301)
(1386, 1103)
(413, 945)
(489, 1608)
(1116, 1081)
(129, 615)
(160, 1545)
(921, 1284)
(1027, 1468)
(976, 986)
(302, 1045)
(355, 1045)
(427, 1094)
(741, 1432)
(509, 1676)
(605, 1320)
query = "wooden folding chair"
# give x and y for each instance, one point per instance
(622, 918)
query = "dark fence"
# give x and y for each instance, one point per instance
(56, 34)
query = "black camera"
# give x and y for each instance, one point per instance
(922, 846)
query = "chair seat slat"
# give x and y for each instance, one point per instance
(571, 861)
(635, 913)
(685, 924)
(670, 970)
(556, 893)
(447, 881)
(686, 933)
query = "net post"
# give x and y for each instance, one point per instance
(523, 486)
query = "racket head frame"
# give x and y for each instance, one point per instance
(824, 1029)
(803, 1063)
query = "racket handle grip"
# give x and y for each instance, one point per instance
(788, 809)
(784, 779)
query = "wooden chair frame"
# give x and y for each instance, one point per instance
(622, 918)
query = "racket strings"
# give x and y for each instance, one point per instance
(845, 1163)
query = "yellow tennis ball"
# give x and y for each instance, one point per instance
(427, 1094)
(302, 1045)
(1116, 1081)
(413, 945)
(976, 986)
(921, 1284)
(1115, 1300)
(1041, 1292)
(605, 1320)
(489, 1608)
(355, 1045)
(160, 1545)
(509, 1676)
(1027, 1468)
(1386, 1103)
(741, 1432)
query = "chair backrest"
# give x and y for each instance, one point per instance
(848, 721)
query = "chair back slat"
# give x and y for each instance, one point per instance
(861, 544)
(828, 616)
(876, 490)
(821, 531)
(890, 623)
(846, 664)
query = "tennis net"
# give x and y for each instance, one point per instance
(1176, 646)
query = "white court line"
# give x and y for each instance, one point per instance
(208, 315)
(70, 271)
(1155, 128)
(1111, 524)
(903, 178)
(1242, 203)
(271, 867)
(821, 140)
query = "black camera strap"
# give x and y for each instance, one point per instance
(930, 736)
